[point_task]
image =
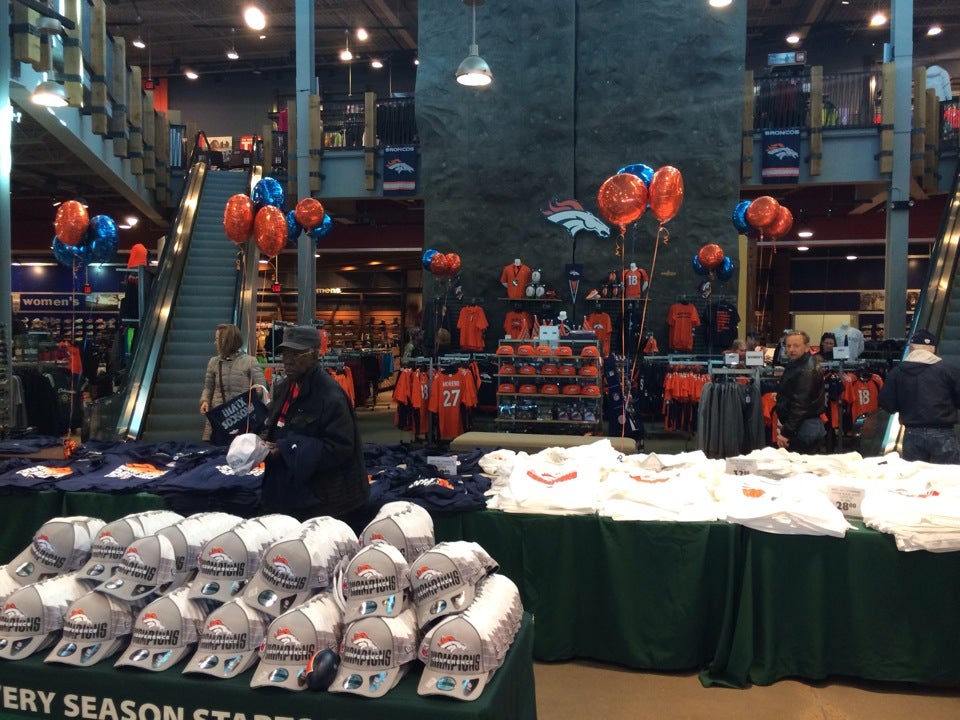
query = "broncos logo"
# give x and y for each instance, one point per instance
(399, 166)
(450, 644)
(781, 151)
(571, 215)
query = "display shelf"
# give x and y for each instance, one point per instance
(546, 421)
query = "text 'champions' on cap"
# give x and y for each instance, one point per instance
(375, 583)
(443, 579)
(229, 641)
(107, 549)
(405, 525)
(33, 616)
(59, 546)
(95, 627)
(375, 654)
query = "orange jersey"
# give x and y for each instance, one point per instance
(472, 323)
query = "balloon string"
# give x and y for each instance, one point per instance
(646, 302)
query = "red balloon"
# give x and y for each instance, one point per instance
(762, 212)
(270, 230)
(438, 264)
(309, 213)
(710, 256)
(238, 218)
(622, 199)
(71, 222)
(666, 193)
(453, 264)
(781, 223)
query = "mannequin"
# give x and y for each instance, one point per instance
(635, 281)
(515, 278)
(850, 337)
(563, 323)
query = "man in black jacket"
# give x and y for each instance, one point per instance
(925, 390)
(315, 466)
(800, 398)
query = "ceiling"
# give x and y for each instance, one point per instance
(182, 34)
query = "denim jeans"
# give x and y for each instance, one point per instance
(934, 445)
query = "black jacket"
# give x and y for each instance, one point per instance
(799, 394)
(319, 468)
(923, 392)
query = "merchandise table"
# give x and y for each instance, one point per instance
(102, 691)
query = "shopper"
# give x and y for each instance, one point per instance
(229, 373)
(925, 390)
(800, 399)
(315, 466)
(828, 341)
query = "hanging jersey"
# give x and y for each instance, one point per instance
(862, 394)
(471, 323)
(517, 323)
(682, 318)
(600, 323)
(449, 396)
(723, 325)
(634, 282)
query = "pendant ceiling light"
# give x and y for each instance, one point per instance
(474, 71)
(49, 92)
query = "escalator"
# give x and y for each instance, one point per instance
(199, 286)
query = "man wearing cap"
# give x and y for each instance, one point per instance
(925, 390)
(800, 399)
(315, 465)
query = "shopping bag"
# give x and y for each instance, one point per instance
(245, 413)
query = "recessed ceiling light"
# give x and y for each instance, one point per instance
(362, 34)
(191, 75)
(934, 30)
(793, 38)
(878, 19)
(232, 54)
(346, 55)
(254, 18)
(416, 61)
(851, 257)
(377, 64)
(802, 248)
(140, 44)
(720, 3)
(805, 233)
(131, 220)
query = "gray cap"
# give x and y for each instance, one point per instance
(300, 337)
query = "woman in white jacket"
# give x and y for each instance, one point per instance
(229, 372)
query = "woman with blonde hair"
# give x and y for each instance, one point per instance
(229, 373)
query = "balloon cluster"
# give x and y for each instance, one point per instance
(81, 239)
(261, 215)
(441, 264)
(624, 197)
(710, 259)
(764, 215)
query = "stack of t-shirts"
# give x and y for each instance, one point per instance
(919, 518)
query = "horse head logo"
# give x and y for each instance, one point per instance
(571, 215)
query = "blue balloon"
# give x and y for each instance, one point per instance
(739, 217)
(698, 268)
(101, 241)
(64, 254)
(268, 192)
(725, 271)
(427, 257)
(644, 172)
(293, 228)
(323, 229)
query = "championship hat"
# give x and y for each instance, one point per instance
(165, 631)
(7, 584)
(246, 452)
(96, 626)
(107, 549)
(405, 525)
(444, 578)
(293, 569)
(375, 583)
(229, 561)
(229, 642)
(190, 535)
(375, 654)
(148, 566)
(462, 652)
(60, 545)
(33, 616)
(293, 638)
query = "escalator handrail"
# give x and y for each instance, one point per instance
(158, 316)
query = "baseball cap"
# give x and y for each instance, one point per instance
(923, 337)
(148, 565)
(246, 452)
(507, 369)
(527, 370)
(165, 631)
(506, 388)
(375, 654)
(548, 369)
(375, 582)
(190, 535)
(444, 578)
(525, 350)
(528, 389)
(567, 369)
(33, 616)
(590, 351)
(405, 525)
(106, 552)
(60, 545)
(563, 350)
(293, 569)
(229, 561)
(95, 627)
(549, 389)
(588, 370)
(7, 583)
(544, 350)
(293, 638)
(505, 350)
(229, 641)
(590, 390)
(462, 652)
(572, 389)
(300, 337)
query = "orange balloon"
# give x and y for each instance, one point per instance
(710, 256)
(438, 264)
(270, 230)
(666, 193)
(781, 223)
(238, 218)
(762, 212)
(453, 264)
(309, 213)
(71, 222)
(622, 198)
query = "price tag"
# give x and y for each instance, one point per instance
(741, 466)
(841, 353)
(731, 358)
(848, 500)
(753, 358)
(446, 464)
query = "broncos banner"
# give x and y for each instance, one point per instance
(781, 156)
(400, 170)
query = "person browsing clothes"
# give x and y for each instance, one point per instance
(800, 398)
(229, 373)
(925, 390)
(315, 464)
